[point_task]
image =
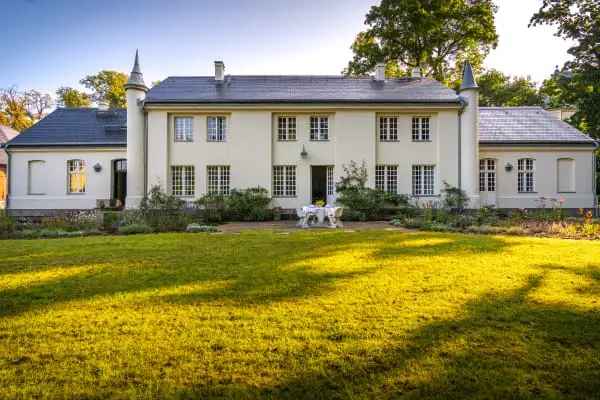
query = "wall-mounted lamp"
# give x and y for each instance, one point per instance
(508, 167)
(303, 153)
(97, 167)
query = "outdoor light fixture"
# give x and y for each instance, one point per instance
(508, 167)
(97, 167)
(303, 153)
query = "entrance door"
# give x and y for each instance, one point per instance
(119, 182)
(322, 184)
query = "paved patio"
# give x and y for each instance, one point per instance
(290, 225)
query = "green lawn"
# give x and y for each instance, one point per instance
(372, 314)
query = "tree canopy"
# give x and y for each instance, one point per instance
(20, 110)
(500, 90)
(69, 97)
(107, 87)
(432, 35)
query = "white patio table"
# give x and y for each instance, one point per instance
(319, 213)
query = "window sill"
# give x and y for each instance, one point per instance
(519, 192)
(36, 194)
(75, 193)
(425, 195)
(216, 141)
(183, 141)
(389, 141)
(573, 192)
(287, 140)
(285, 197)
(422, 141)
(319, 140)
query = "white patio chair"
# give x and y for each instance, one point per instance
(302, 218)
(335, 217)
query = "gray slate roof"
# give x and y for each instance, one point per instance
(525, 125)
(299, 89)
(77, 126)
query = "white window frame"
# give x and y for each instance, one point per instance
(487, 175)
(286, 128)
(386, 178)
(218, 179)
(330, 181)
(183, 180)
(388, 128)
(423, 180)
(183, 132)
(421, 129)
(76, 167)
(526, 175)
(319, 128)
(216, 128)
(29, 177)
(284, 181)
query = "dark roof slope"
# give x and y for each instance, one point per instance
(299, 89)
(77, 126)
(525, 125)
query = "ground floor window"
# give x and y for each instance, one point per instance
(422, 180)
(487, 175)
(77, 178)
(218, 179)
(386, 178)
(566, 175)
(526, 175)
(182, 180)
(284, 181)
(37, 177)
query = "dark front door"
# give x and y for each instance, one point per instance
(319, 183)
(119, 182)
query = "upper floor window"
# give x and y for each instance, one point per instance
(526, 175)
(386, 178)
(218, 179)
(422, 180)
(37, 177)
(388, 129)
(319, 128)
(286, 128)
(284, 181)
(216, 129)
(487, 175)
(76, 176)
(183, 180)
(183, 129)
(420, 129)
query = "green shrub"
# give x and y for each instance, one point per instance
(248, 204)
(214, 207)
(161, 212)
(135, 229)
(111, 220)
(455, 199)
(7, 224)
(70, 221)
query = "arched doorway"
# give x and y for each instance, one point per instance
(119, 192)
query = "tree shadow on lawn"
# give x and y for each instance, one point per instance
(257, 270)
(505, 346)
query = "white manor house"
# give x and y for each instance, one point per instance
(292, 135)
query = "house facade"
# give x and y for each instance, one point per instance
(293, 135)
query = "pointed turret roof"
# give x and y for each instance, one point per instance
(468, 80)
(136, 78)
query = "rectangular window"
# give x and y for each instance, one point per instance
(423, 180)
(566, 175)
(216, 128)
(218, 179)
(386, 178)
(183, 129)
(525, 175)
(420, 129)
(37, 177)
(284, 181)
(319, 128)
(330, 184)
(183, 180)
(76, 176)
(286, 128)
(388, 129)
(487, 175)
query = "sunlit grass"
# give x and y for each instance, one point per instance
(373, 314)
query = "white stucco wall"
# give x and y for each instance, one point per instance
(546, 175)
(98, 185)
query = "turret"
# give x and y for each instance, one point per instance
(469, 143)
(135, 89)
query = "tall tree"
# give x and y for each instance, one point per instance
(107, 87)
(578, 20)
(431, 35)
(69, 97)
(13, 109)
(37, 103)
(500, 90)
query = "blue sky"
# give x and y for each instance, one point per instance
(50, 43)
